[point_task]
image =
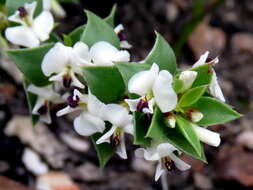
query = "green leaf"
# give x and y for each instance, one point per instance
(98, 30)
(189, 133)
(191, 96)
(105, 82)
(29, 62)
(158, 130)
(141, 125)
(111, 17)
(204, 76)
(13, 5)
(163, 55)
(31, 100)
(214, 111)
(104, 150)
(127, 70)
(76, 34)
(177, 85)
(67, 40)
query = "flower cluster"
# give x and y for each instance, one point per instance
(166, 110)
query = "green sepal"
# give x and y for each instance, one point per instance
(204, 76)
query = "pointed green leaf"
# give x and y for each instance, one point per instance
(76, 34)
(67, 40)
(158, 130)
(104, 150)
(13, 5)
(98, 30)
(204, 76)
(29, 63)
(214, 111)
(177, 85)
(105, 82)
(141, 125)
(163, 55)
(188, 132)
(191, 96)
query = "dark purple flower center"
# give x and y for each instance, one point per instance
(67, 80)
(168, 163)
(143, 103)
(22, 12)
(43, 109)
(122, 36)
(73, 102)
(115, 139)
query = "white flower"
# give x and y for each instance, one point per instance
(103, 53)
(188, 77)
(153, 87)
(91, 120)
(122, 122)
(164, 154)
(214, 87)
(32, 30)
(194, 115)
(65, 62)
(45, 95)
(123, 43)
(209, 137)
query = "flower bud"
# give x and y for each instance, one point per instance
(188, 77)
(194, 115)
(170, 120)
(209, 137)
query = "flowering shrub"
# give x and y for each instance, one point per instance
(165, 109)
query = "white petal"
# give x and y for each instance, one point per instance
(164, 94)
(46, 4)
(141, 83)
(43, 25)
(125, 45)
(202, 59)
(81, 54)
(30, 8)
(95, 106)
(121, 149)
(86, 124)
(66, 110)
(106, 137)
(129, 128)
(22, 35)
(133, 103)
(55, 59)
(215, 88)
(118, 28)
(209, 137)
(196, 116)
(75, 81)
(82, 97)
(16, 18)
(117, 115)
(188, 77)
(147, 154)
(47, 117)
(159, 171)
(165, 149)
(39, 103)
(150, 108)
(180, 164)
(103, 53)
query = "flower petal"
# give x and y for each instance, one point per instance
(133, 103)
(147, 154)
(81, 54)
(66, 110)
(121, 149)
(75, 81)
(141, 83)
(129, 128)
(188, 77)
(106, 137)
(39, 103)
(150, 108)
(164, 94)
(180, 164)
(22, 35)
(159, 171)
(103, 53)
(117, 115)
(47, 5)
(125, 45)
(215, 88)
(43, 25)
(47, 117)
(30, 8)
(16, 18)
(55, 59)
(209, 137)
(86, 124)
(165, 149)
(95, 106)
(118, 28)
(202, 59)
